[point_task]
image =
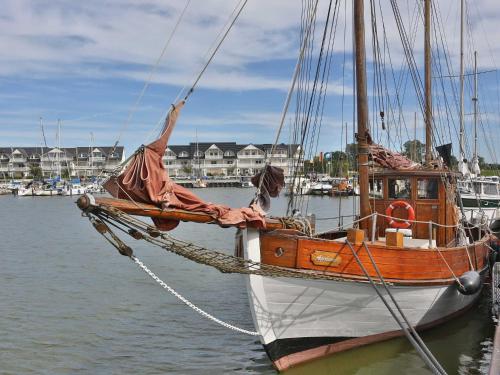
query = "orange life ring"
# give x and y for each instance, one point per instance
(400, 223)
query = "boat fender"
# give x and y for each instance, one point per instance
(471, 283)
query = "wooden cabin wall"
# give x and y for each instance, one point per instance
(435, 210)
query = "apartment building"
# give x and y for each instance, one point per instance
(229, 158)
(19, 162)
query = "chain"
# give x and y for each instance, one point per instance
(187, 302)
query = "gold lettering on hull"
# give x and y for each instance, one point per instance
(326, 258)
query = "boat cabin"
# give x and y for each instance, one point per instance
(425, 191)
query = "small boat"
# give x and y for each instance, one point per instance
(297, 186)
(320, 188)
(199, 183)
(47, 190)
(245, 182)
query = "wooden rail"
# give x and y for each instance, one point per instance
(88, 203)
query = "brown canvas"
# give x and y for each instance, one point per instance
(146, 180)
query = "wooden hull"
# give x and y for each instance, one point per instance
(303, 319)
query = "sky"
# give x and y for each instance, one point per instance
(86, 64)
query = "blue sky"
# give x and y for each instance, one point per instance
(86, 63)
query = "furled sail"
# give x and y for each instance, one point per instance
(145, 180)
(390, 159)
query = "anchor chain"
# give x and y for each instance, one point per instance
(189, 303)
(125, 250)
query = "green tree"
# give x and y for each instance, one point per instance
(187, 169)
(481, 162)
(36, 172)
(351, 150)
(338, 163)
(414, 150)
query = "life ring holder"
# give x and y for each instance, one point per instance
(400, 223)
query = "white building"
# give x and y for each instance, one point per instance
(18, 162)
(229, 159)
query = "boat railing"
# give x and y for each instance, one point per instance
(374, 216)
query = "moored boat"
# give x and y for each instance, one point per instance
(314, 294)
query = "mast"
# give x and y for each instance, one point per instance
(415, 138)
(475, 160)
(59, 147)
(91, 154)
(462, 162)
(198, 161)
(428, 83)
(362, 111)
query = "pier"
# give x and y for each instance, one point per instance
(211, 182)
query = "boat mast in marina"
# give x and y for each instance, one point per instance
(428, 82)
(362, 111)
(475, 160)
(462, 162)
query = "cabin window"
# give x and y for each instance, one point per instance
(490, 189)
(399, 188)
(375, 188)
(427, 188)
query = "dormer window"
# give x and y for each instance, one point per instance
(229, 153)
(183, 154)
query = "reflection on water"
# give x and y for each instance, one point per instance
(71, 304)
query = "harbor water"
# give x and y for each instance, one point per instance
(70, 304)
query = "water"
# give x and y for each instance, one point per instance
(71, 304)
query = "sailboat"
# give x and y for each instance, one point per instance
(405, 264)
(480, 195)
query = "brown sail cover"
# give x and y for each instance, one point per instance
(145, 180)
(390, 159)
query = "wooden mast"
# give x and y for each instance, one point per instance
(428, 82)
(362, 111)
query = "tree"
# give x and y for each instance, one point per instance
(187, 169)
(481, 162)
(351, 151)
(36, 172)
(414, 150)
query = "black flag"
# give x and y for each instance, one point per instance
(445, 152)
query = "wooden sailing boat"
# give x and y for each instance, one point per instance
(304, 319)
(310, 294)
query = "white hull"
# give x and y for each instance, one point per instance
(46, 193)
(23, 192)
(286, 308)
(74, 191)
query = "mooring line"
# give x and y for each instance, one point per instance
(189, 303)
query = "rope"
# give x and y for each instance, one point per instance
(449, 268)
(154, 67)
(189, 303)
(409, 331)
(223, 262)
(215, 51)
(284, 112)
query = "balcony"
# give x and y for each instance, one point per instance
(249, 164)
(242, 156)
(18, 159)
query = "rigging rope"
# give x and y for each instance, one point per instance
(193, 86)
